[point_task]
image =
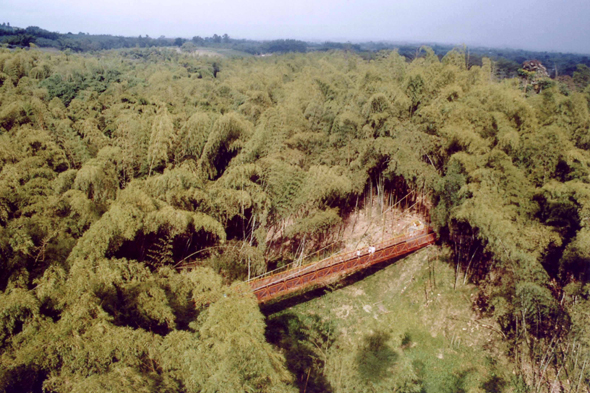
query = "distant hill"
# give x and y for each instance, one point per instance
(508, 61)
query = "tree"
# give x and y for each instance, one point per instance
(188, 46)
(161, 139)
(582, 77)
(118, 169)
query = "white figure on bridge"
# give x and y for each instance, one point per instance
(358, 253)
(371, 250)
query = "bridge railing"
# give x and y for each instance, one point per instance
(321, 273)
(296, 268)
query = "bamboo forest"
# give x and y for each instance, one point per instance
(141, 188)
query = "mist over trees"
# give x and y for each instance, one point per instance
(507, 61)
(118, 168)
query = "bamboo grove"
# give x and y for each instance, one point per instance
(120, 167)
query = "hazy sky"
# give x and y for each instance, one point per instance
(560, 25)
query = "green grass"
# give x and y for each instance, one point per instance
(404, 328)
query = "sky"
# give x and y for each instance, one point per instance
(551, 25)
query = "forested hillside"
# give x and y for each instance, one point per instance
(118, 168)
(506, 61)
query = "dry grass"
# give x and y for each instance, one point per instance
(370, 225)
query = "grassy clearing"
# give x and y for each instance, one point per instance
(404, 328)
(219, 52)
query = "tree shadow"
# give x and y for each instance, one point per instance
(304, 341)
(375, 357)
(457, 380)
(494, 384)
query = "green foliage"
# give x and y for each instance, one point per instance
(193, 136)
(224, 141)
(118, 168)
(239, 261)
(317, 223)
(576, 259)
(582, 76)
(160, 140)
(235, 334)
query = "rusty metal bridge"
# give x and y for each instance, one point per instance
(293, 278)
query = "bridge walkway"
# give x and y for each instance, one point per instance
(291, 278)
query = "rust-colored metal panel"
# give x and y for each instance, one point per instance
(316, 274)
(293, 271)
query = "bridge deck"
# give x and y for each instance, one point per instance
(277, 284)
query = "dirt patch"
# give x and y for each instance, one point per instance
(356, 292)
(372, 225)
(200, 52)
(343, 312)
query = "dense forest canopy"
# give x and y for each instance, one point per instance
(507, 61)
(118, 167)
